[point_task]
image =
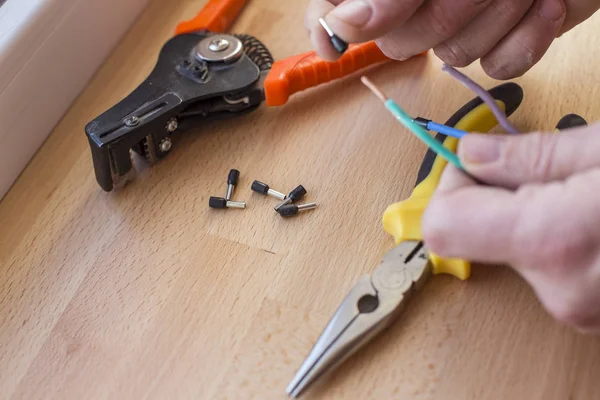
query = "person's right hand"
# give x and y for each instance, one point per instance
(541, 215)
(509, 36)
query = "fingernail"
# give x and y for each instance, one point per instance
(354, 12)
(478, 149)
(552, 10)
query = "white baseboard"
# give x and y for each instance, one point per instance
(49, 50)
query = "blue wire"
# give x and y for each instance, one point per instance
(445, 130)
(422, 134)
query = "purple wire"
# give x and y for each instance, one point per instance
(484, 95)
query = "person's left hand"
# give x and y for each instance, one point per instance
(508, 36)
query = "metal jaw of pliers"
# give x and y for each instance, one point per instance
(371, 306)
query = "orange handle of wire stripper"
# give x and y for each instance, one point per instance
(307, 70)
(216, 16)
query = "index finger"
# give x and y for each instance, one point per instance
(518, 228)
(469, 221)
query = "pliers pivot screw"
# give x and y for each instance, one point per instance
(221, 48)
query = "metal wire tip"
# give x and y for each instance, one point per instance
(326, 27)
(368, 83)
(338, 44)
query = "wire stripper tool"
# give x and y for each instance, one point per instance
(203, 74)
(376, 300)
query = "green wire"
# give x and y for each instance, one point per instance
(422, 134)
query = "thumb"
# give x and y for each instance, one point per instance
(357, 21)
(510, 161)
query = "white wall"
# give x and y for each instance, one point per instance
(64, 40)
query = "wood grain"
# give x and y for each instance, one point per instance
(145, 293)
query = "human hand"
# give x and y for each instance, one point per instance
(509, 36)
(546, 225)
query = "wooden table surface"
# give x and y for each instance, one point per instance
(146, 293)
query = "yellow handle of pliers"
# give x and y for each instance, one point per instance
(403, 219)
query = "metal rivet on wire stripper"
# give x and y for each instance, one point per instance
(132, 121)
(294, 195)
(172, 125)
(165, 145)
(263, 188)
(219, 48)
(218, 45)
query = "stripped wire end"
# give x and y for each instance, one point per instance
(409, 123)
(368, 83)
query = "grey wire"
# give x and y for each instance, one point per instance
(484, 95)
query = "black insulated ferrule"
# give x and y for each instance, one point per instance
(338, 44)
(288, 210)
(297, 193)
(233, 177)
(217, 202)
(260, 187)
